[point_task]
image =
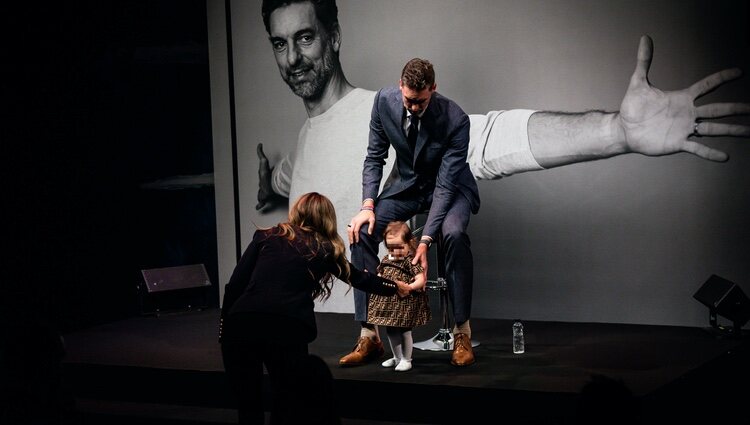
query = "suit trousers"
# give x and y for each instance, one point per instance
(459, 263)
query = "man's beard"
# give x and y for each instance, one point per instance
(312, 89)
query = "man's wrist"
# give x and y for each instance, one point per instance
(368, 205)
(617, 133)
(426, 240)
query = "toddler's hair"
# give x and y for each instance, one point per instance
(402, 229)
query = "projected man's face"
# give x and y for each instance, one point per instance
(304, 50)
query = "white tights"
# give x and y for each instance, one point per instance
(402, 343)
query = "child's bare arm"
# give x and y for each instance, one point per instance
(420, 282)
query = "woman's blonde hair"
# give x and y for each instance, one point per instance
(314, 212)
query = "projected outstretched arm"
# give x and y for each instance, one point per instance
(650, 122)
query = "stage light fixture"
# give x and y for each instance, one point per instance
(726, 299)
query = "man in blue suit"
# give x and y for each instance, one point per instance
(430, 134)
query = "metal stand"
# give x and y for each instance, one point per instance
(443, 340)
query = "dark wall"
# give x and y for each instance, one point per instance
(107, 97)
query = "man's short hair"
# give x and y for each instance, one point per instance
(325, 10)
(418, 74)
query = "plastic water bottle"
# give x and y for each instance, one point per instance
(518, 343)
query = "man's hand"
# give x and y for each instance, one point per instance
(659, 123)
(421, 256)
(352, 230)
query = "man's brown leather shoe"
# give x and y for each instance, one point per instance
(463, 355)
(365, 350)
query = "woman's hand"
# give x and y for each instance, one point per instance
(403, 288)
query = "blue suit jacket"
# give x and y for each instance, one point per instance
(437, 165)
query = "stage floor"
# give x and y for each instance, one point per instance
(659, 364)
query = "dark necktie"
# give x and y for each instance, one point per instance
(411, 138)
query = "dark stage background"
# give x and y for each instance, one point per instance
(109, 102)
(109, 160)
